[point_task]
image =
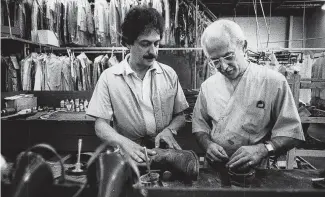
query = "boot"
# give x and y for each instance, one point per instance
(182, 163)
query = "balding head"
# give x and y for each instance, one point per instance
(220, 33)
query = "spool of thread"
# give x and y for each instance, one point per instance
(8, 111)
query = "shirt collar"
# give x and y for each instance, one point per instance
(124, 67)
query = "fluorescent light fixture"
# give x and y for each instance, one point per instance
(323, 7)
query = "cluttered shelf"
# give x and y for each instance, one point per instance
(61, 116)
(6, 39)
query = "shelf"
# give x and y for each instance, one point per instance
(24, 41)
(59, 116)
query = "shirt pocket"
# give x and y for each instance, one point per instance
(253, 118)
(167, 102)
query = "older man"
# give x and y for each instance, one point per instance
(244, 112)
(142, 97)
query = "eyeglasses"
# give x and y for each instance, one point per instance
(228, 58)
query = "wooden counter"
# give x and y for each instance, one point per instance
(273, 183)
(62, 130)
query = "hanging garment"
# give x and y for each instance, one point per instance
(85, 67)
(101, 20)
(39, 72)
(104, 63)
(64, 21)
(25, 19)
(27, 71)
(35, 13)
(67, 83)
(72, 15)
(112, 61)
(305, 72)
(166, 14)
(114, 22)
(96, 69)
(53, 69)
(79, 80)
(11, 75)
(318, 72)
(158, 6)
(51, 14)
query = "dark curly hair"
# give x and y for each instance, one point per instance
(139, 20)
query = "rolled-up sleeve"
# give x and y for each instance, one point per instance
(100, 105)
(285, 114)
(200, 114)
(180, 103)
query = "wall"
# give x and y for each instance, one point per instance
(315, 29)
(278, 31)
(297, 32)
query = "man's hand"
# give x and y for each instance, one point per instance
(136, 151)
(215, 152)
(167, 136)
(247, 156)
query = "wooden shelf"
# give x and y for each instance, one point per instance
(24, 41)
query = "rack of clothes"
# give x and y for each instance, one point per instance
(98, 22)
(51, 72)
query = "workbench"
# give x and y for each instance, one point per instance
(267, 182)
(62, 130)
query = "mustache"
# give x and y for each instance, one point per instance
(150, 56)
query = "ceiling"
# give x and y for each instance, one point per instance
(275, 7)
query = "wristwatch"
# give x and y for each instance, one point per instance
(174, 132)
(270, 148)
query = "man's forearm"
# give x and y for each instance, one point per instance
(177, 122)
(106, 133)
(203, 140)
(283, 144)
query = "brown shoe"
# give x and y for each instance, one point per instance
(185, 163)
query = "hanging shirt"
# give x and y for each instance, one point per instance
(259, 108)
(114, 22)
(53, 76)
(38, 73)
(96, 69)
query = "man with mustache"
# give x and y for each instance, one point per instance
(245, 112)
(142, 97)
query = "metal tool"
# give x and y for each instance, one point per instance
(147, 160)
(78, 164)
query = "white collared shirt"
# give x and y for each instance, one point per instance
(143, 91)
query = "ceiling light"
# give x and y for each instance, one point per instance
(323, 7)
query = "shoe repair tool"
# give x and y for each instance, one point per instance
(48, 115)
(147, 161)
(150, 180)
(20, 114)
(78, 164)
(318, 182)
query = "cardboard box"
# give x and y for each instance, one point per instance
(45, 37)
(21, 102)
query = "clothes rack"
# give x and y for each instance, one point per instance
(121, 49)
(291, 49)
